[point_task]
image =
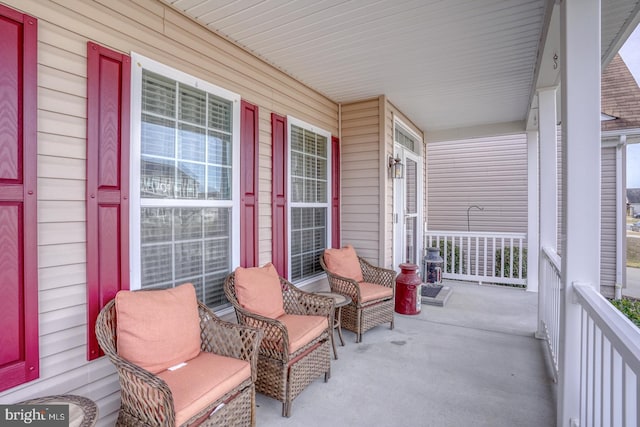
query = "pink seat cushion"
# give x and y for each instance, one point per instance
(204, 379)
(258, 290)
(158, 329)
(303, 329)
(372, 292)
(343, 262)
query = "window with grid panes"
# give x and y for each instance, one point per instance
(186, 185)
(310, 222)
(405, 138)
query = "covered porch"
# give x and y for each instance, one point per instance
(473, 362)
(505, 67)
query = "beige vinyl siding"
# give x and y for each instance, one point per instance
(488, 172)
(608, 222)
(154, 30)
(367, 191)
(360, 176)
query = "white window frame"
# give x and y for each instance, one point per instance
(292, 121)
(136, 203)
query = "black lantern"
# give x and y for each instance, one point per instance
(432, 265)
(396, 167)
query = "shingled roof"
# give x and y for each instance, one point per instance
(633, 195)
(620, 96)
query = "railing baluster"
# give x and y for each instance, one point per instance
(493, 257)
(637, 405)
(477, 255)
(520, 258)
(597, 378)
(612, 400)
(445, 255)
(502, 257)
(606, 382)
(593, 365)
(460, 259)
(624, 394)
(586, 353)
(484, 268)
(469, 256)
(616, 401)
(511, 257)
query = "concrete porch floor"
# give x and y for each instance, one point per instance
(473, 362)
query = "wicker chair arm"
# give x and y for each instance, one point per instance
(230, 339)
(145, 395)
(275, 338)
(377, 275)
(297, 301)
(140, 389)
(317, 305)
(344, 286)
(308, 304)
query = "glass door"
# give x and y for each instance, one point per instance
(407, 214)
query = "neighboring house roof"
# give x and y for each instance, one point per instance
(633, 195)
(620, 96)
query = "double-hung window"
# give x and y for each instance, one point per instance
(185, 177)
(310, 200)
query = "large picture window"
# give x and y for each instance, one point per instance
(185, 166)
(309, 195)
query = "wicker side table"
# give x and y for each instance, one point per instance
(83, 412)
(340, 301)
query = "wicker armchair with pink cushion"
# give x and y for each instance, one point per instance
(296, 325)
(372, 289)
(178, 364)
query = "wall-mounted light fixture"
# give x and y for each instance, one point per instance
(396, 167)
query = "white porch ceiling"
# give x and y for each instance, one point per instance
(447, 64)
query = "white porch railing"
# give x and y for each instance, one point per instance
(482, 257)
(609, 355)
(551, 280)
(609, 363)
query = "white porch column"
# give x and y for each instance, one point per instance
(547, 125)
(533, 248)
(580, 41)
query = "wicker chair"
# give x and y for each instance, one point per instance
(359, 316)
(146, 399)
(283, 375)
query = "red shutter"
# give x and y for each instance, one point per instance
(335, 192)
(19, 357)
(108, 96)
(248, 184)
(279, 238)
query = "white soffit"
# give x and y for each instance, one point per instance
(446, 64)
(619, 19)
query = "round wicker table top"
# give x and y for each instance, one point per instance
(83, 412)
(340, 300)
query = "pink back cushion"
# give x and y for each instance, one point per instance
(344, 262)
(258, 290)
(158, 329)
